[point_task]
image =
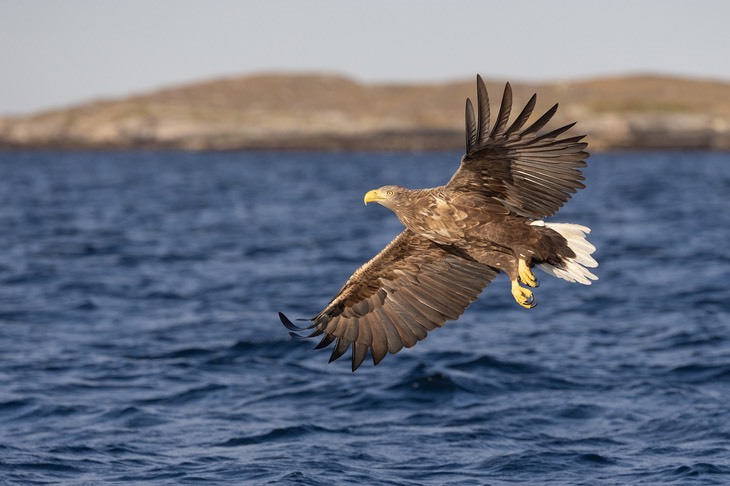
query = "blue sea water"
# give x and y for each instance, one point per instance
(139, 341)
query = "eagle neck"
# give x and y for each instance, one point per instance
(419, 211)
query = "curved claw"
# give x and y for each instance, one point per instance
(523, 296)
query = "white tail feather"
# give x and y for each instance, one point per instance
(574, 269)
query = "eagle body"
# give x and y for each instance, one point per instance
(454, 218)
(465, 224)
(488, 218)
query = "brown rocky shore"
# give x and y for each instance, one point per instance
(279, 111)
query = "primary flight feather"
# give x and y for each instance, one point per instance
(487, 219)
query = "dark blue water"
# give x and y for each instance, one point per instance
(139, 341)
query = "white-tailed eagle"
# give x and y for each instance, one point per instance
(487, 219)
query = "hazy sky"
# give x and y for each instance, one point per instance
(59, 52)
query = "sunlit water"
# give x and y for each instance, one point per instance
(139, 340)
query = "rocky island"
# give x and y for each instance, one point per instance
(327, 112)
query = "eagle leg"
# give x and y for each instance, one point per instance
(526, 275)
(523, 296)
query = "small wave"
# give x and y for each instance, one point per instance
(686, 339)
(696, 373)
(45, 411)
(594, 458)
(16, 404)
(186, 396)
(699, 469)
(265, 349)
(134, 417)
(274, 435)
(12, 410)
(484, 363)
(580, 411)
(87, 305)
(423, 381)
(51, 467)
(164, 295)
(193, 352)
(237, 349)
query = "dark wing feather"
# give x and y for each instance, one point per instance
(471, 126)
(529, 174)
(411, 287)
(504, 110)
(483, 111)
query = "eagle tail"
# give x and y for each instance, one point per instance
(572, 269)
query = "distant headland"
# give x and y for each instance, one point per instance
(326, 112)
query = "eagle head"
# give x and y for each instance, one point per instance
(388, 196)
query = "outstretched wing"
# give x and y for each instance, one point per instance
(411, 287)
(531, 175)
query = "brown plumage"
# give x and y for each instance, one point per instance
(458, 237)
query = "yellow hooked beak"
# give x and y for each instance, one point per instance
(372, 196)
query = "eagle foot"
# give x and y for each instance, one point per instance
(523, 296)
(526, 275)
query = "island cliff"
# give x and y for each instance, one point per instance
(278, 111)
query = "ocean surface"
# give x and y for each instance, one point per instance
(140, 344)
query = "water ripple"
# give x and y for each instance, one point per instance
(138, 299)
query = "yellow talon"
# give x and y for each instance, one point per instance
(523, 296)
(526, 275)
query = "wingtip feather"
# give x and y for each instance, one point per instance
(484, 114)
(471, 127)
(504, 112)
(359, 351)
(289, 324)
(340, 348)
